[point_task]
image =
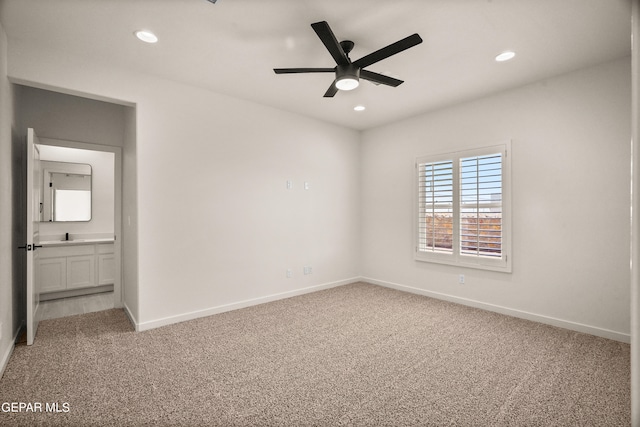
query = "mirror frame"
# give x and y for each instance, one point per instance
(51, 167)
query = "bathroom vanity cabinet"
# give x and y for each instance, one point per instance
(65, 266)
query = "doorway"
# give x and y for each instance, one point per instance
(77, 263)
(91, 126)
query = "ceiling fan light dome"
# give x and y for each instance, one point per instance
(347, 83)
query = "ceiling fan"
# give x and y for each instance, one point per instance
(347, 72)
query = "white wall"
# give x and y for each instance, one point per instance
(11, 234)
(6, 238)
(635, 255)
(130, 217)
(216, 226)
(571, 187)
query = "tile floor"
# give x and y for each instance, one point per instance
(64, 307)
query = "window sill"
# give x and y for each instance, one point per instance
(499, 265)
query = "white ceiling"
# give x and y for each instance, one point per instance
(232, 46)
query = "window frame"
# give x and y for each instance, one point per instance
(456, 257)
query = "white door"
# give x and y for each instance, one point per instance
(34, 208)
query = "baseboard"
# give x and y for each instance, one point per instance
(131, 317)
(578, 327)
(143, 326)
(75, 292)
(6, 354)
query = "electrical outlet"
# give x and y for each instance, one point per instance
(307, 185)
(289, 184)
(307, 270)
(461, 279)
(289, 273)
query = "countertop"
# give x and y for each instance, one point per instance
(49, 243)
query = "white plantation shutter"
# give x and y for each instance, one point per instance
(463, 208)
(436, 207)
(481, 205)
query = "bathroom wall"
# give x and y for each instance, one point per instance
(58, 116)
(55, 115)
(102, 193)
(72, 118)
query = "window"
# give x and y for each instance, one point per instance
(463, 215)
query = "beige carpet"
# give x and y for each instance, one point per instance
(354, 355)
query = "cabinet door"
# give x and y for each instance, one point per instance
(52, 274)
(81, 271)
(106, 269)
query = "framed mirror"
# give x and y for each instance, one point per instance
(66, 192)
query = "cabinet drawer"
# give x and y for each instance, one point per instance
(104, 248)
(65, 251)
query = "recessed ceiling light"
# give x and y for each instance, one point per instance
(505, 56)
(359, 108)
(146, 36)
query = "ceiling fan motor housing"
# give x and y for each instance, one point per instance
(347, 71)
(347, 77)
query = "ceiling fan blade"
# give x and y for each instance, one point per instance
(380, 78)
(327, 37)
(331, 91)
(303, 70)
(387, 51)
